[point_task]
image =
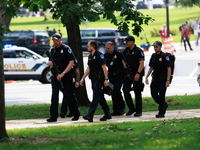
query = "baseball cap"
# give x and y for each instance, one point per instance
(129, 38)
(164, 24)
(56, 36)
(157, 43)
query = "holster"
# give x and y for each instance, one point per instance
(140, 86)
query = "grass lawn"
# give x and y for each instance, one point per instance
(42, 110)
(152, 135)
(177, 16)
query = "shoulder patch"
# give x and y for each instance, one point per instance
(102, 56)
(142, 54)
(167, 58)
(69, 50)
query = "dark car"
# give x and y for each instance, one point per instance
(102, 35)
(36, 40)
(158, 4)
(141, 5)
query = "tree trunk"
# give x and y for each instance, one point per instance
(3, 133)
(6, 21)
(74, 40)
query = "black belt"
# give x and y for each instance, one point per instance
(160, 76)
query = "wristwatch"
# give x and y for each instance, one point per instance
(63, 72)
(138, 72)
(106, 79)
(168, 79)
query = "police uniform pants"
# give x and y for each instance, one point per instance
(74, 102)
(118, 102)
(98, 97)
(187, 40)
(158, 90)
(138, 95)
(68, 97)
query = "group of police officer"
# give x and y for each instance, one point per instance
(112, 70)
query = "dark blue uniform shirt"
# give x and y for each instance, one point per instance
(95, 62)
(133, 57)
(159, 63)
(62, 56)
(114, 62)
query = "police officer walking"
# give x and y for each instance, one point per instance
(115, 76)
(76, 79)
(99, 76)
(160, 65)
(134, 58)
(64, 60)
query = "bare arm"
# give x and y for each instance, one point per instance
(149, 72)
(85, 75)
(140, 68)
(168, 76)
(105, 74)
(77, 74)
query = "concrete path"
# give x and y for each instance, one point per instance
(147, 116)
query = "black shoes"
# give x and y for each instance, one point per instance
(62, 115)
(137, 114)
(117, 113)
(51, 120)
(105, 117)
(160, 116)
(130, 112)
(70, 115)
(75, 118)
(89, 118)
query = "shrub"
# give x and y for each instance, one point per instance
(155, 32)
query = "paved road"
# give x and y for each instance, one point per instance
(184, 82)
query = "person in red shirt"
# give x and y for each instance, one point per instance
(163, 33)
(185, 33)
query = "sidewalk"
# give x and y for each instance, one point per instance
(147, 116)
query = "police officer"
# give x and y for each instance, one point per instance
(161, 66)
(115, 74)
(99, 76)
(134, 58)
(64, 59)
(76, 78)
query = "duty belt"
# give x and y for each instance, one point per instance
(161, 76)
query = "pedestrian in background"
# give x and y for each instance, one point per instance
(114, 62)
(185, 32)
(54, 30)
(98, 74)
(64, 60)
(135, 59)
(60, 32)
(163, 33)
(160, 65)
(194, 26)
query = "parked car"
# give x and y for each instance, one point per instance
(23, 12)
(141, 5)
(198, 76)
(36, 40)
(158, 4)
(21, 63)
(102, 35)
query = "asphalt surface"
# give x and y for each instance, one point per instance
(191, 72)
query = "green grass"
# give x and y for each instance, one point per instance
(152, 135)
(42, 110)
(177, 17)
